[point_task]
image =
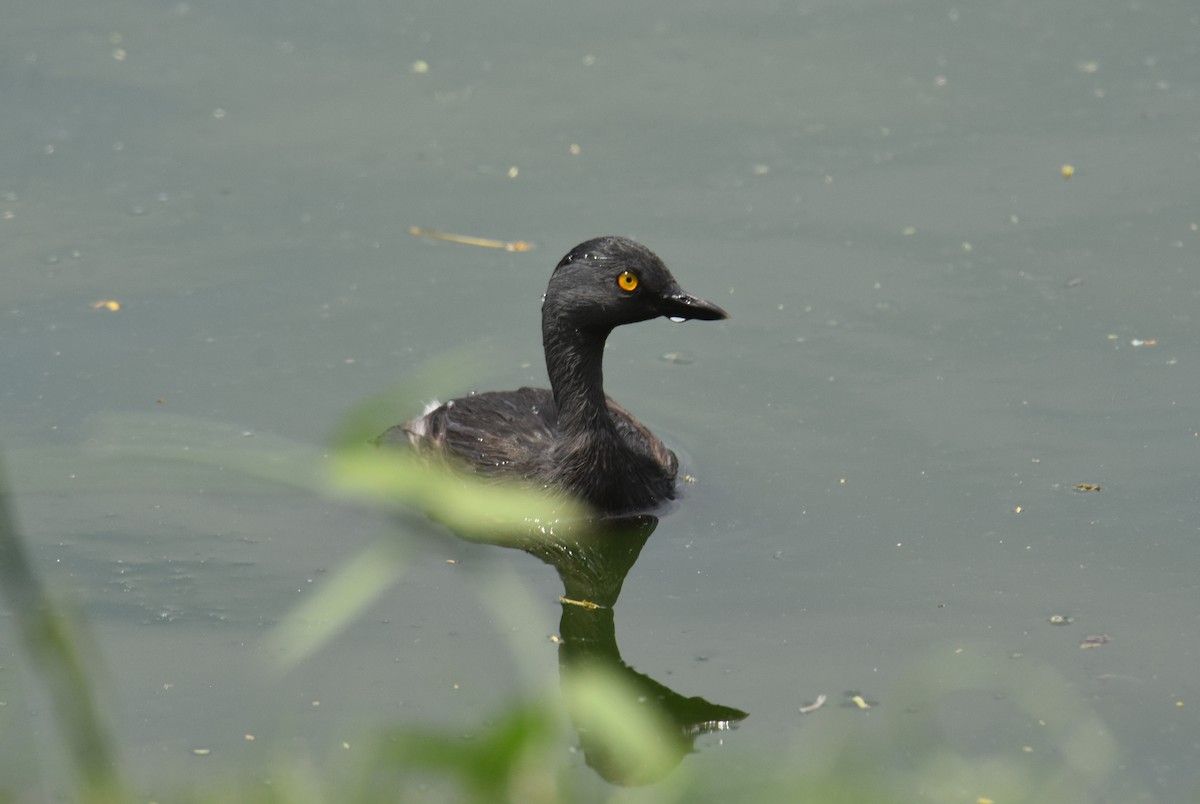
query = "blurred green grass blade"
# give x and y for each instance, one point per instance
(55, 653)
(506, 762)
(634, 738)
(461, 502)
(335, 604)
(398, 478)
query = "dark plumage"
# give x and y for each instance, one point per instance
(573, 437)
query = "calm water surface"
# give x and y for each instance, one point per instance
(935, 337)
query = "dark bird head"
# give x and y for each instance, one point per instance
(610, 281)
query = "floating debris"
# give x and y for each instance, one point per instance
(107, 304)
(1085, 487)
(1144, 342)
(856, 700)
(467, 240)
(679, 358)
(1060, 619)
(1095, 641)
(1068, 171)
(814, 706)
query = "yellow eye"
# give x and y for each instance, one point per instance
(627, 281)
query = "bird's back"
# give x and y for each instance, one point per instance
(515, 435)
(499, 433)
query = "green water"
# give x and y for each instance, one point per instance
(935, 336)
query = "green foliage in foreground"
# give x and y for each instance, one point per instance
(56, 651)
(521, 758)
(530, 752)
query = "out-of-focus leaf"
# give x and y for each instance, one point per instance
(56, 651)
(335, 604)
(462, 502)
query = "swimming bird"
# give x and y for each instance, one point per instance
(572, 437)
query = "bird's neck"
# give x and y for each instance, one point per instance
(574, 361)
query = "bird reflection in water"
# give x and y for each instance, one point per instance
(593, 558)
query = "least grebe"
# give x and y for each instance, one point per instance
(573, 437)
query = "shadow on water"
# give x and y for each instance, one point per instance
(592, 559)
